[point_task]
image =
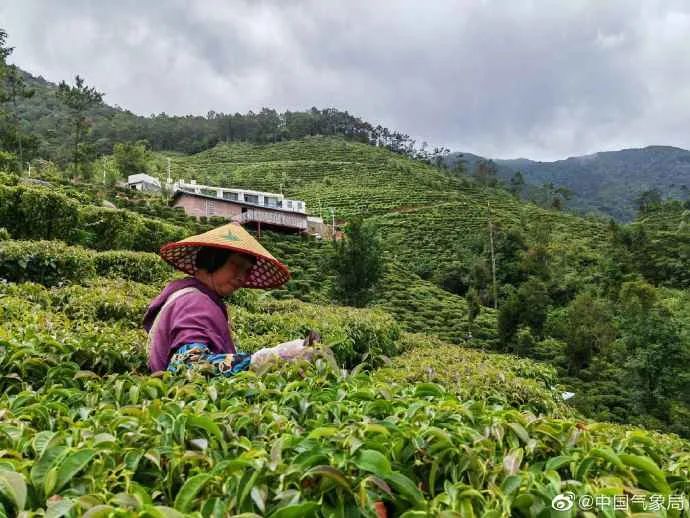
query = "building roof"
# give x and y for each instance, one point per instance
(143, 177)
(179, 193)
(182, 184)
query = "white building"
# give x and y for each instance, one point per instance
(245, 196)
(143, 182)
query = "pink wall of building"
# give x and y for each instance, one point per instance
(198, 206)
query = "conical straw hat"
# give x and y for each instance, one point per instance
(268, 272)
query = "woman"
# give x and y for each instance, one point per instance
(188, 322)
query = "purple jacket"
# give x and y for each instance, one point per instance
(193, 317)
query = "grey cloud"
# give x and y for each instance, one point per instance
(506, 78)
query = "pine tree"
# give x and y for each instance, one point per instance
(517, 184)
(357, 261)
(78, 99)
(15, 89)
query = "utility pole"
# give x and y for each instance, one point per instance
(333, 223)
(103, 162)
(283, 181)
(493, 256)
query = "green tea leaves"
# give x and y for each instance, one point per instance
(41, 470)
(189, 491)
(330, 473)
(73, 464)
(374, 462)
(13, 488)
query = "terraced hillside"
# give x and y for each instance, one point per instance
(445, 232)
(672, 216)
(420, 306)
(425, 215)
(660, 242)
(355, 179)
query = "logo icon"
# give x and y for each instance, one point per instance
(230, 236)
(564, 501)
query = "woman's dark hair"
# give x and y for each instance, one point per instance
(211, 259)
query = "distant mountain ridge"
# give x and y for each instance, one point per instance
(606, 182)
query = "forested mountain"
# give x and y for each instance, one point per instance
(45, 120)
(609, 183)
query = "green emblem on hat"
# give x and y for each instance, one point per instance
(231, 237)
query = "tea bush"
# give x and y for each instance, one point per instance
(108, 229)
(135, 266)
(104, 301)
(54, 262)
(46, 262)
(474, 375)
(7, 178)
(36, 342)
(37, 213)
(355, 335)
(301, 440)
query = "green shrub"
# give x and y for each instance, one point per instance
(54, 262)
(443, 421)
(369, 335)
(8, 178)
(475, 375)
(4, 234)
(104, 300)
(31, 354)
(28, 292)
(37, 213)
(355, 335)
(135, 266)
(46, 262)
(8, 161)
(113, 229)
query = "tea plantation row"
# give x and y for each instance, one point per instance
(440, 431)
(420, 306)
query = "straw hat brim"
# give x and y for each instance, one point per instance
(268, 272)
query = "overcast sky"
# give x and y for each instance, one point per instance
(537, 79)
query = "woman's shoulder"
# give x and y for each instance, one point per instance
(163, 299)
(196, 309)
(192, 298)
(185, 297)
